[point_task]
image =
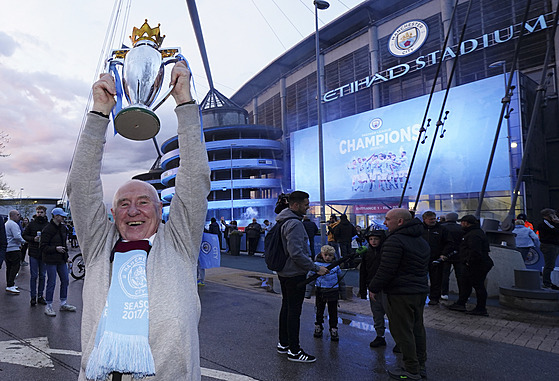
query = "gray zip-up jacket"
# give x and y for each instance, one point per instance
(174, 306)
(296, 244)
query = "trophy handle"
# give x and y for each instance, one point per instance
(163, 98)
(166, 94)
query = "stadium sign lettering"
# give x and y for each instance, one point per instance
(487, 40)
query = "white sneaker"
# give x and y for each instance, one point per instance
(67, 307)
(49, 311)
(444, 297)
(12, 290)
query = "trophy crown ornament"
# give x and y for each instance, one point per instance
(145, 32)
(142, 78)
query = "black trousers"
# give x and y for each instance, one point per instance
(290, 313)
(327, 297)
(435, 280)
(473, 277)
(252, 244)
(13, 261)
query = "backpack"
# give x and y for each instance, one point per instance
(274, 254)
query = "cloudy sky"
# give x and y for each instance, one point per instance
(50, 54)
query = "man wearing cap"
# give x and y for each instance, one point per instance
(54, 253)
(13, 253)
(474, 256)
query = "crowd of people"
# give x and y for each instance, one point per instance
(47, 243)
(401, 269)
(124, 332)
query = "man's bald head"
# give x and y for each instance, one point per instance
(149, 190)
(14, 215)
(136, 210)
(397, 217)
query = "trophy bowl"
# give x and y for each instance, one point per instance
(142, 79)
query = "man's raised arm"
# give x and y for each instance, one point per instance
(192, 185)
(85, 190)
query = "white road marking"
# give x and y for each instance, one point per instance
(220, 375)
(33, 355)
(16, 352)
(64, 352)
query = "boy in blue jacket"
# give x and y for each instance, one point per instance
(327, 287)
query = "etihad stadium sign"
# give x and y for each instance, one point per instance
(407, 39)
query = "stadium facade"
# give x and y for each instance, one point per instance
(379, 62)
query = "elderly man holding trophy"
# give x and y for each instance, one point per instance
(140, 302)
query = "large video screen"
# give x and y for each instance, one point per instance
(368, 155)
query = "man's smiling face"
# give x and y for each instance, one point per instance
(136, 210)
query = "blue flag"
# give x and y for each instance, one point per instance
(210, 255)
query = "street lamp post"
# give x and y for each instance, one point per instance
(320, 4)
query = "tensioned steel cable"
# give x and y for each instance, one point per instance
(108, 42)
(506, 102)
(507, 224)
(439, 121)
(423, 128)
(266, 20)
(288, 19)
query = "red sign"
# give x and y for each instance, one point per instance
(374, 208)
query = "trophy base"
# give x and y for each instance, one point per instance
(137, 123)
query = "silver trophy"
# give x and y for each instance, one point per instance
(142, 77)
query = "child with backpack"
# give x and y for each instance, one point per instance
(327, 287)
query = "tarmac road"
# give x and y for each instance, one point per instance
(238, 335)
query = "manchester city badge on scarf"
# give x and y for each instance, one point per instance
(121, 342)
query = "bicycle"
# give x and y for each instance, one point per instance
(77, 267)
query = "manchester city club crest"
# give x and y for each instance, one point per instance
(132, 277)
(375, 124)
(407, 38)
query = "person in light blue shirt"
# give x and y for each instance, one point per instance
(525, 238)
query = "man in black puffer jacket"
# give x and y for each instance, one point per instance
(476, 264)
(55, 257)
(402, 275)
(32, 234)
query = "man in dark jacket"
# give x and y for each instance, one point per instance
(402, 276)
(299, 263)
(215, 229)
(343, 234)
(369, 266)
(455, 231)
(55, 256)
(549, 238)
(253, 231)
(476, 263)
(311, 229)
(32, 234)
(440, 243)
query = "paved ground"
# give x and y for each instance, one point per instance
(238, 334)
(532, 330)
